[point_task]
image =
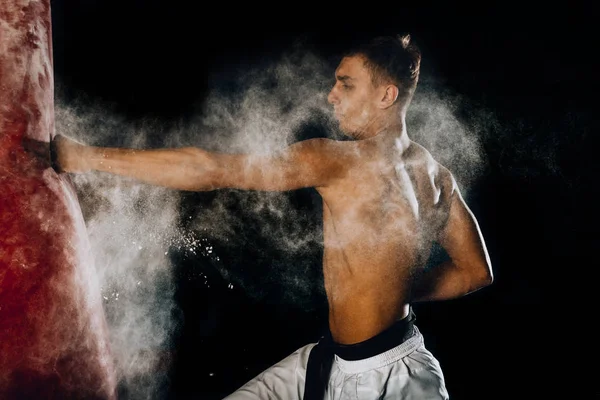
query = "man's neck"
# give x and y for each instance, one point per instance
(392, 135)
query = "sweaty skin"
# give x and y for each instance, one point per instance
(377, 224)
(385, 201)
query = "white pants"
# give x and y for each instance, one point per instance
(408, 372)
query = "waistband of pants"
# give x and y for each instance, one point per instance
(387, 357)
(390, 345)
(384, 341)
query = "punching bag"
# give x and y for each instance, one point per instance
(53, 334)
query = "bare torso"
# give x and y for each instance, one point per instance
(379, 222)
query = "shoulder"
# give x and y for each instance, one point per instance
(419, 155)
(324, 159)
(440, 176)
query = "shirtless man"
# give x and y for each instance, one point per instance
(385, 201)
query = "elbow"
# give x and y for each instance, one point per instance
(487, 280)
(483, 276)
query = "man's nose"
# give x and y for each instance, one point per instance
(332, 97)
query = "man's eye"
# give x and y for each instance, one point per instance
(347, 87)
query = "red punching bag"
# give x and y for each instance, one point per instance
(53, 333)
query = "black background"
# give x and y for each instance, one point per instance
(522, 337)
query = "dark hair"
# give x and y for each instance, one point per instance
(394, 59)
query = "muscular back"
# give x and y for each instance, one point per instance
(380, 219)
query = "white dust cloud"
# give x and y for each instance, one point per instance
(434, 121)
(274, 106)
(131, 228)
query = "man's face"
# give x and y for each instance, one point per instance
(354, 97)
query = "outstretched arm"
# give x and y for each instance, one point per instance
(311, 163)
(469, 267)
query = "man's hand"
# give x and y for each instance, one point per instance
(68, 155)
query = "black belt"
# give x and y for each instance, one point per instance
(321, 355)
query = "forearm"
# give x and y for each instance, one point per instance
(446, 281)
(181, 169)
(304, 164)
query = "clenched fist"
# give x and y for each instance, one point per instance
(68, 155)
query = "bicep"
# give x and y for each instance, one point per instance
(310, 163)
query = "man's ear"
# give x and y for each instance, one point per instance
(390, 95)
